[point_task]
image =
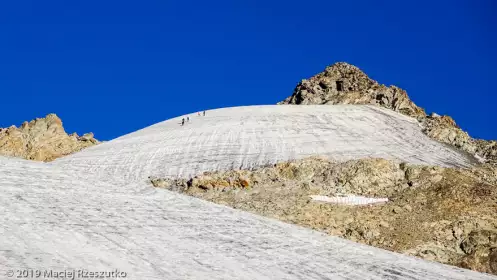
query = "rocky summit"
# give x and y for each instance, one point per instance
(42, 139)
(342, 83)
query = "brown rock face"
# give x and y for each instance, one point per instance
(440, 214)
(42, 139)
(342, 83)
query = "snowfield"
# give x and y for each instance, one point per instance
(94, 210)
(246, 137)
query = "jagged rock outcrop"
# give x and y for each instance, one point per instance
(42, 139)
(342, 83)
(441, 214)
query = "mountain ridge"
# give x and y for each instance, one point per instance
(343, 83)
(42, 139)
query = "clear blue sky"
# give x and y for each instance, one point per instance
(113, 67)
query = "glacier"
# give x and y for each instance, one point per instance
(96, 210)
(251, 136)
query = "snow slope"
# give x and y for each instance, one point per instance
(244, 137)
(56, 217)
(52, 221)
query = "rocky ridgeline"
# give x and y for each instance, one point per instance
(342, 83)
(441, 214)
(42, 139)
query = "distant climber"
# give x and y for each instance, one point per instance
(204, 113)
(187, 119)
(183, 122)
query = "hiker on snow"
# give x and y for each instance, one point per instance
(204, 113)
(183, 121)
(187, 119)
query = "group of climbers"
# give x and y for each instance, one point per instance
(188, 118)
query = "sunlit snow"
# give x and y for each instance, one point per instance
(95, 209)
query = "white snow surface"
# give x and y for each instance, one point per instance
(349, 199)
(103, 215)
(251, 136)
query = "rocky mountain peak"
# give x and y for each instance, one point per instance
(349, 73)
(50, 121)
(343, 83)
(53, 119)
(42, 139)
